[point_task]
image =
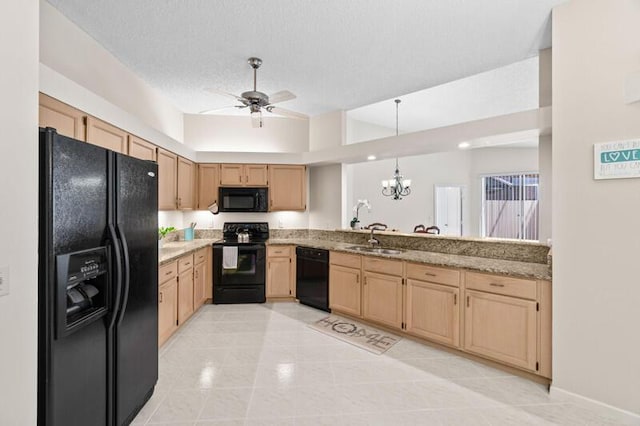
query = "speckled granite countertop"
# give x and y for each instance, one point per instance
(172, 250)
(481, 264)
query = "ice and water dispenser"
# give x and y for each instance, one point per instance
(82, 287)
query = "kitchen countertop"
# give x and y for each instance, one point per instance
(172, 250)
(480, 264)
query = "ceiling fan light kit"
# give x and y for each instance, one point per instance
(257, 101)
(397, 187)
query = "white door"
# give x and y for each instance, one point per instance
(449, 209)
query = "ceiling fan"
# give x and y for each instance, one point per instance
(258, 101)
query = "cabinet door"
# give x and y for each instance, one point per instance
(185, 295)
(186, 184)
(67, 120)
(287, 187)
(433, 312)
(141, 149)
(105, 135)
(345, 290)
(231, 175)
(501, 327)
(382, 296)
(256, 175)
(199, 278)
(208, 286)
(208, 184)
(167, 309)
(279, 277)
(167, 179)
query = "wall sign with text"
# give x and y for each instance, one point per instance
(616, 160)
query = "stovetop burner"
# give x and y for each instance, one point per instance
(258, 232)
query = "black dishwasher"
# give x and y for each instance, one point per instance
(312, 277)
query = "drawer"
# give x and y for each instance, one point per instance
(500, 284)
(185, 263)
(345, 259)
(200, 256)
(383, 266)
(279, 251)
(432, 274)
(167, 272)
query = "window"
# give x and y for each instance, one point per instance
(510, 206)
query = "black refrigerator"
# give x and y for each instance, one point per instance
(98, 283)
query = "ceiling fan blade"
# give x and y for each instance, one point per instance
(223, 93)
(281, 96)
(287, 113)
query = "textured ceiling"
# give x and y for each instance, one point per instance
(333, 54)
(501, 91)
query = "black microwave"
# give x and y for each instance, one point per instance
(243, 199)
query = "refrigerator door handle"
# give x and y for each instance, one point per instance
(118, 280)
(127, 273)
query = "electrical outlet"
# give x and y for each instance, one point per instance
(4, 280)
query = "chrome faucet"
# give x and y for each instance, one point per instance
(372, 240)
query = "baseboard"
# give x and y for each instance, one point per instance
(595, 405)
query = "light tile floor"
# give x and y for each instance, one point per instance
(262, 365)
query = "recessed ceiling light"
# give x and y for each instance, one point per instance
(371, 157)
(464, 145)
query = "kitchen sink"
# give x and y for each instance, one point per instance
(375, 250)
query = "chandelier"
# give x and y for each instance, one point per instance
(398, 186)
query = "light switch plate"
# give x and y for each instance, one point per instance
(4, 280)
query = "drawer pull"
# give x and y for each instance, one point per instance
(496, 285)
(160, 297)
(168, 273)
(430, 274)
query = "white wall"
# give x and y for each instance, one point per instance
(545, 187)
(360, 131)
(486, 161)
(596, 238)
(327, 130)
(73, 53)
(325, 196)
(235, 133)
(464, 168)
(280, 220)
(451, 168)
(19, 226)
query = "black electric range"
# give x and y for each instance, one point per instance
(240, 267)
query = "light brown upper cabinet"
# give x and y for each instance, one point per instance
(244, 175)
(208, 184)
(287, 187)
(167, 179)
(186, 184)
(105, 135)
(67, 120)
(141, 149)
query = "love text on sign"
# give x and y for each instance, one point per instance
(616, 160)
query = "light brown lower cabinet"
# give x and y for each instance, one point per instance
(497, 317)
(199, 278)
(280, 271)
(345, 283)
(433, 312)
(382, 299)
(501, 327)
(185, 288)
(167, 310)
